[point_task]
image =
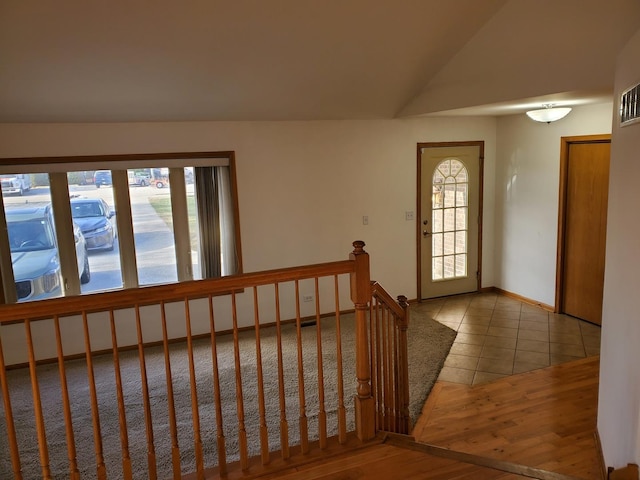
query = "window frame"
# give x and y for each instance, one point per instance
(57, 168)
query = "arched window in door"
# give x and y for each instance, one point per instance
(450, 220)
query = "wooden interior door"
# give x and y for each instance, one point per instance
(585, 181)
(449, 209)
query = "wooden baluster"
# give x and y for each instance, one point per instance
(304, 426)
(396, 381)
(385, 367)
(392, 384)
(393, 340)
(377, 366)
(376, 362)
(372, 353)
(74, 474)
(195, 413)
(399, 377)
(95, 411)
(264, 433)
(222, 451)
(284, 426)
(8, 415)
(389, 370)
(242, 432)
(151, 452)
(322, 414)
(385, 376)
(361, 296)
(37, 406)
(389, 391)
(122, 416)
(173, 426)
(403, 366)
(342, 418)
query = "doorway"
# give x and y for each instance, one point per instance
(449, 218)
(582, 226)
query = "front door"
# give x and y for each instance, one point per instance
(449, 218)
(585, 188)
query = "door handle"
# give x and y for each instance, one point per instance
(425, 232)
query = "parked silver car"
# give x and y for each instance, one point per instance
(34, 253)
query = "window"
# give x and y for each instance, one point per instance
(133, 220)
(93, 211)
(450, 204)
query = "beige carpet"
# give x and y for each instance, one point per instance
(429, 344)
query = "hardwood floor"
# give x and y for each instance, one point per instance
(386, 457)
(540, 424)
(394, 462)
(543, 418)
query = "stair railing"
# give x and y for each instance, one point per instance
(46, 328)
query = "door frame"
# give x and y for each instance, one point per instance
(565, 143)
(418, 217)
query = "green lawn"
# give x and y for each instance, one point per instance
(162, 205)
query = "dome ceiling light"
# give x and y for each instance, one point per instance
(548, 114)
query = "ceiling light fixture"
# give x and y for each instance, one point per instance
(548, 114)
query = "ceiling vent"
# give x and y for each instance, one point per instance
(630, 106)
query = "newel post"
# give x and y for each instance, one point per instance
(403, 367)
(361, 296)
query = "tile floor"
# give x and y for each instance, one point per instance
(499, 336)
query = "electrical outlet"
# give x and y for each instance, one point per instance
(408, 215)
(307, 298)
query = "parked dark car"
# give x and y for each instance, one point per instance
(34, 253)
(102, 177)
(95, 219)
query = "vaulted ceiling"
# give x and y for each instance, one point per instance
(192, 60)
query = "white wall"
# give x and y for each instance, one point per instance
(619, 399)
(527, 188)
(303, 186)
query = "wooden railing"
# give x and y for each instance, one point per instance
(390, 368)
(103, 385)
